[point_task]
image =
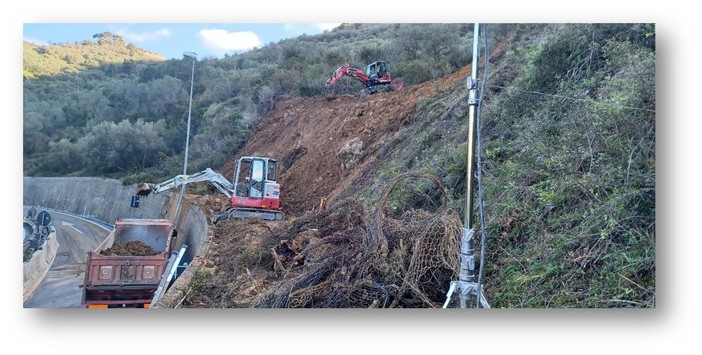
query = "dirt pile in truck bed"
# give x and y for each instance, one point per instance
(131, 248)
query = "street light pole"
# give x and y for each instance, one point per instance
(187, 135)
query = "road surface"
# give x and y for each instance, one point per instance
(61, 287)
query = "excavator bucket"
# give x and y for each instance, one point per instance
(144, 189)
(328, 92)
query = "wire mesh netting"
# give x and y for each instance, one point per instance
(382, 259)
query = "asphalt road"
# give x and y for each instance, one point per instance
(61, 287)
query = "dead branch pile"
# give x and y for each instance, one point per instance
(367, 262)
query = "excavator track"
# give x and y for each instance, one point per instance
(236, 212)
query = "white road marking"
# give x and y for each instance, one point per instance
(64, 223)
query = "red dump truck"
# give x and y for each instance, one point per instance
(126, 268)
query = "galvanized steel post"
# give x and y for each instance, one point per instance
(467, 259)
(187, 135)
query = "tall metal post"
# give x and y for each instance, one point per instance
(473, 102)
(467, 272)
(465, 285)
(187, 135)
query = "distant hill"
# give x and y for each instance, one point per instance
(54, 59)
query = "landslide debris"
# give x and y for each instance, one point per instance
(342, 257)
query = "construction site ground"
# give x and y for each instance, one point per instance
(330, 252)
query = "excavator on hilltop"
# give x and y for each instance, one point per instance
(376, 75)
(254, 193)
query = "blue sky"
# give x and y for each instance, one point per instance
(172, 39)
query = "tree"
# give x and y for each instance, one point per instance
(122, 148)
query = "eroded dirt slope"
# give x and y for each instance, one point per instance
(307, 137)
(323, 145)
(343, 256)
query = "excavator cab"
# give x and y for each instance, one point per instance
(376, 70)
(255, 183)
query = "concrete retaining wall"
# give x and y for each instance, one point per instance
(182, 286)
(194, 224)
(95, 198)
(106, 200)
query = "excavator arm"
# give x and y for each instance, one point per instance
(215, 178)
(255, 181)
(346, 70)
(379, 76)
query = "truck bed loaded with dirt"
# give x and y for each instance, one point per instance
(126, 269)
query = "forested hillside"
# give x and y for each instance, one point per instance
(71, 107)
(71, 58)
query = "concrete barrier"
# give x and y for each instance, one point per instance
(38, 265)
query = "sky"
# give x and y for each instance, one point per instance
(171, 40)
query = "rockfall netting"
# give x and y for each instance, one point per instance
(358, 260)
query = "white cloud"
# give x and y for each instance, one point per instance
(312, 28)
(298, 29)
(327, 26)
(222, 40)
(145, 36)
(38, 42)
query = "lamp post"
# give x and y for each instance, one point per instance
(192, 55)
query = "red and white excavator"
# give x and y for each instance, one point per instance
(376, 75)
(254, 192)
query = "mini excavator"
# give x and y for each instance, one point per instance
(376, 75)
(254, 193)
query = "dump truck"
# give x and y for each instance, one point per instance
(125, 270)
